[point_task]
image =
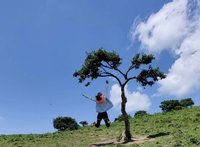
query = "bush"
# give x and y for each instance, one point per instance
(83, 123)
(170, 105)
(65, 123)
(140, 113)
(188, 102)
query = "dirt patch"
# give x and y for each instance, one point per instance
(135, 140)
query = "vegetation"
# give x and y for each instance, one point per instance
(101, 63)
(169, 105)
(172, 129)
(140, 113)
(65, 123)
(120, 118)
(188, 102)
(83, 123)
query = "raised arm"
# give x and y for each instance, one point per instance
(106, 92)
(90, 98)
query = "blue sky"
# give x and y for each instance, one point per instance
(42, 43)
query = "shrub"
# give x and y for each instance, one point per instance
(188, 102)
(65, 123)
(140, 113)
(83, 123)
(170, 105)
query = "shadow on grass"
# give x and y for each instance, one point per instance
(158, 135)
(135, 140)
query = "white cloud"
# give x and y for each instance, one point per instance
(135, 100)
(164, 29)
(184, 75)
(176, 28)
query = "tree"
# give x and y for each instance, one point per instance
(170, 105)
(140, 113)
(84, 123)
(101, 63)
(65, 123)
(188, 102)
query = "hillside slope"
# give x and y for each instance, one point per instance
(177, 128)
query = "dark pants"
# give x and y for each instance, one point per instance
(104, 116)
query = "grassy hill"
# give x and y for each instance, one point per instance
(172, 129)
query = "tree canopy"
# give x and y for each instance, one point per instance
(187, 102)
(140, 113)
(99, 63)
(169, 105)
(65, 123)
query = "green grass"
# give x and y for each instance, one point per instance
(172, 129)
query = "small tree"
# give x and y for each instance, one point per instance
(65, 123)
(170, 105)
(83, 123)
(140, 113)
(101, 63)
(188, 102)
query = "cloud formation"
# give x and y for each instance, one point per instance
(175, 28)
(135, 100)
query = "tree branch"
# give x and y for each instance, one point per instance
(109, 67)
(107, 74)
(102, 67)
(115, 68)
(131, 78)
(130, 68)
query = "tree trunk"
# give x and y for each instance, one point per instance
(128, 135)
